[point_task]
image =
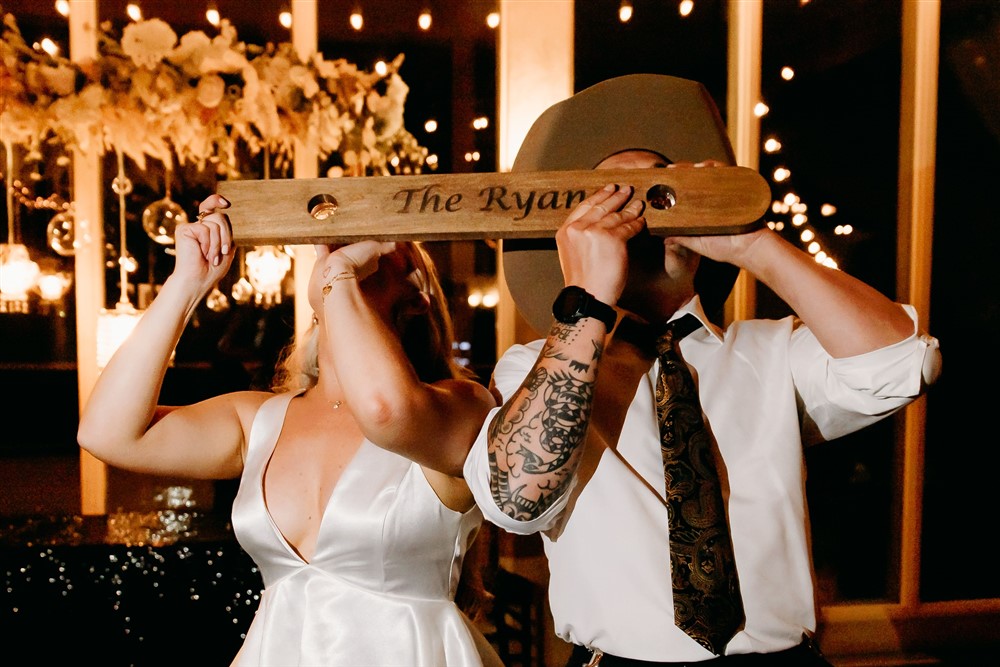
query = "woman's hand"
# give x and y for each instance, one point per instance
(204, 248)
(355, 261)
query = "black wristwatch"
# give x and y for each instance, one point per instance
(574, 303)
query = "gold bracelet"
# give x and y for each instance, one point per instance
(343, 275)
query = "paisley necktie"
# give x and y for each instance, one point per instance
(707, 603)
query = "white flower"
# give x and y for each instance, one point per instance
(148, 42)
(190, 52)
(211, 90)
(389, 108)
(61, 79)
(303, 78)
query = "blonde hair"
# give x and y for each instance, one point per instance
(426, 338)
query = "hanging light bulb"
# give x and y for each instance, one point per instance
(52, 285)
(134, 11)
(18, 273)
(62, 6)
(267, 267)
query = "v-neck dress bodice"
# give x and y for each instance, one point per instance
(379, 589)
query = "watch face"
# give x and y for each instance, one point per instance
(574, 303)
(569, 305)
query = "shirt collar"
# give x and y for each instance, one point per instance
(693, 306)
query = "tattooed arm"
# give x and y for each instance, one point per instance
(534, 442)
(535, 438)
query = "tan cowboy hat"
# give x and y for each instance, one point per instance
(673, 117)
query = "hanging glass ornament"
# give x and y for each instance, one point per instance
(242, 290)
(216, 300)
(160, 219)
(61, 234)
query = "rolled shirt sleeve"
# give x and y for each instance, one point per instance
(859, 390)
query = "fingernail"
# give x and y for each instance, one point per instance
(224, 200)
(610, 187)
(215, 260)
(225, 249)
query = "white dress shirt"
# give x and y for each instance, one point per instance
(767, 388)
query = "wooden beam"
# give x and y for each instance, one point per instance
(88, 217)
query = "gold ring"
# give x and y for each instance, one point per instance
(203, 214)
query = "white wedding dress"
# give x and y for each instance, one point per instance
(379, 589)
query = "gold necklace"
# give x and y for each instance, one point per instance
(337, 404)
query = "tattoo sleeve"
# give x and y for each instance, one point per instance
(535, 438)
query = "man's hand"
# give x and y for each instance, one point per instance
(729, 248)
(592, 242)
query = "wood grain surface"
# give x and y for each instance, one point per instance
(716, 200)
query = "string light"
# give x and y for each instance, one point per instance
(491, 298)
(47, 45)
(485, 298)
(493, 19)
(424, 20)
(685, 8)
(481, 123)
(787, 73)
(357, 20)
(625, 11)
(381, 68)
(134, 12)
(285, 17)
(212, 14)
(431, 126)
(62, 6)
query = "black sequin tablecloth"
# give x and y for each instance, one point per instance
(158, 588)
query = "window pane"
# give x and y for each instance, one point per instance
(960, 498)
(835, 113)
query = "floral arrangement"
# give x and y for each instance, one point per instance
(149, 94)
